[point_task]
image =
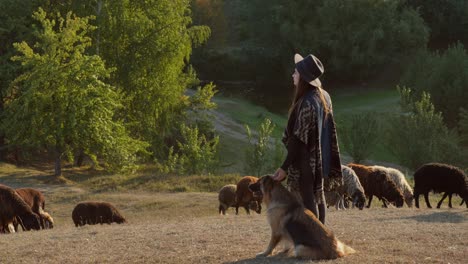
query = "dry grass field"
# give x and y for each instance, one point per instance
(185, 228)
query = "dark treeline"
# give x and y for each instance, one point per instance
(416, 44)
(359, 41)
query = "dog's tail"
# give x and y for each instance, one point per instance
(343, 249)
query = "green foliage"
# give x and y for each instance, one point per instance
(448, 19)
(146, 46)
(61, 100)
(357, 38)
(195, 155)
(360, 135)
(201, 100)
(153, 41)
(258, 154)
(420, 136)
(278, 155)
(463, 126)
(444, 76)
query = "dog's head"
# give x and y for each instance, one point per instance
(263, 186)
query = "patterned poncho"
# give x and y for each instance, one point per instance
(308, 123)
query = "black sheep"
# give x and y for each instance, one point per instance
(439, 178)
(450, 200)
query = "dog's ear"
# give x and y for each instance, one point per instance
(267, 182)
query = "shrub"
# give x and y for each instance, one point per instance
(257, 153)
(360, 135)
(420, 135)
(444, 76)
(195, 153)
(463, 126)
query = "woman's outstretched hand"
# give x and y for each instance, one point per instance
(279, 175)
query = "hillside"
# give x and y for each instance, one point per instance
(233, 112)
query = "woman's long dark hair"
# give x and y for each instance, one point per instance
(301, 89)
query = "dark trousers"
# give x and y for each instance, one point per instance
(307, 182)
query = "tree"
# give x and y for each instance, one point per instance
(355, 38)
(420, 135)
(463, 126)
(61, 100)
(447, 20)
(15, 23)
(444, 76)
(149, 43)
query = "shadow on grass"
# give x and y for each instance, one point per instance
(435, 217)
(439, 217)
(272, 259)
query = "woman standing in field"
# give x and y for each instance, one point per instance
(310, 138)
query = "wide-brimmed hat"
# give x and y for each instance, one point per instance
(310, 68)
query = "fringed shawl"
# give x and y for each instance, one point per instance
(307, 123)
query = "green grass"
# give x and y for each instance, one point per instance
(231, 152)
(377, 101)
(245, 112)
(345, 103)
(149, 179)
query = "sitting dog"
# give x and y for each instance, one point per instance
(289, 220)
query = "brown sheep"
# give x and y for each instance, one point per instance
(92, 213)
(245, 197)
(379, 183)
(11, 206)
(36, 200)
(227, 198)
(400, 181)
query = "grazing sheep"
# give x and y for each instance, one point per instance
(49, 221)
(245, 197)
(378, 182)
(400, 181)
(348, 188)
(227, 198)
(439, 178)
(352, 187)
(92, 213)
(334, 198)
(11, 206)
(36, 200)
(450, 200)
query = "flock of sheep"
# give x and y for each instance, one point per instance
(360, 181)
(25, 207)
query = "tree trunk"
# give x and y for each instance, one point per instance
(98, 18)
(2, 148)
(58, 163)
(79, 159)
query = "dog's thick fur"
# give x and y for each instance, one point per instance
(290, 221)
